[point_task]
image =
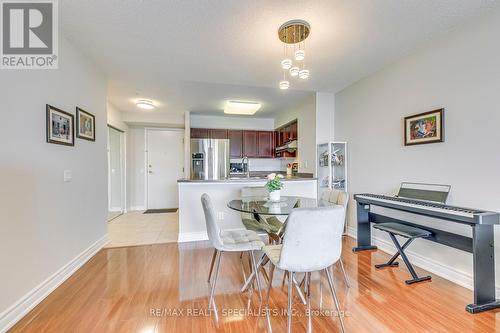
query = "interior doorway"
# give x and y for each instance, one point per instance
(116, 174)
(164, 165)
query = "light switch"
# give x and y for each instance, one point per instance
(220, 215)
(67, 176)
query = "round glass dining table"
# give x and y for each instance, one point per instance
(264, 206)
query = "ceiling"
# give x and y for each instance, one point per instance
(192, 55)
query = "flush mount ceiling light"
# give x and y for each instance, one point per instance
(242, 107)
(294, 33)
(145, 104)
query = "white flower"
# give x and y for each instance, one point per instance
(271, 176)
(280, 176)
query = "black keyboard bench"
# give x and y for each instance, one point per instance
(405, 231)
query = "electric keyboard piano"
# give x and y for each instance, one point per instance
(422, 201)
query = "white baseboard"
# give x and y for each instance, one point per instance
(447, 272)
(19, 309)
(136, 208)
(192, 236)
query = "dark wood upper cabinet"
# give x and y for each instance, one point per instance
(217, 133)
(236, 142)
(250, 144)
(199, 133)
(293, 131)
(265, 144)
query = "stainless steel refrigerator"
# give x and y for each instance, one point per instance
(209, 159)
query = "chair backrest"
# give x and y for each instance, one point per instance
(313, 239)
(213, 229)
(254, 191)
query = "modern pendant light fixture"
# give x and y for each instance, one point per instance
(294, 33)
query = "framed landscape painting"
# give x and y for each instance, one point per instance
(60, 126)
(85, 125)
(427, 127)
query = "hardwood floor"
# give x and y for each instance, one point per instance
(159, 288)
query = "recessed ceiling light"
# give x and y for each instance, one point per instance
(241, 107)
(145, 104)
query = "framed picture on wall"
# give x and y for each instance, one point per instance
(85, 125)
(427, 127)
(60, 126)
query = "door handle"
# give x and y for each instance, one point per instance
(150, 171)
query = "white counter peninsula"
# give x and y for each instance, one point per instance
(191, 217)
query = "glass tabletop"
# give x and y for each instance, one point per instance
(263, 206)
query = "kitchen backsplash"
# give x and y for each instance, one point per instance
(263, 164)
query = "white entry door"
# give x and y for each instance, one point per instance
(165, 165)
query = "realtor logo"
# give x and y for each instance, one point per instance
(29, 34)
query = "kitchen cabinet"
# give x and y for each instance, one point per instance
(265, 144)
(250, 144)
(217, 133)
(293, 133)
(199, 133)
(236, 142)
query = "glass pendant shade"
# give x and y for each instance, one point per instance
(284, 85)
(294, 71)
(300, 55)
(286, 63)
(304, 73)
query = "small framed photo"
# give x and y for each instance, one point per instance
(427, 127)
(85, 125)
(60, 126)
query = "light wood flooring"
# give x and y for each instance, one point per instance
(163, 288)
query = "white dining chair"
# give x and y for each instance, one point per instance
(311, 243)
(240, 240)
(340, 198)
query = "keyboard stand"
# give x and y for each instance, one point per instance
(364, 229)
(481, 245)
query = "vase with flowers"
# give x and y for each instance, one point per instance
(274, 186)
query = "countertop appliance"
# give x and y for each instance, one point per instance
(210, 159)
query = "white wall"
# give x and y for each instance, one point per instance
(115, 117)
(230, 122)
(136, 162)
(305, 113)
(46, 223)
(460, 72)
(325, 115)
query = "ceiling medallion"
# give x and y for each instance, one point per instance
(293, 34)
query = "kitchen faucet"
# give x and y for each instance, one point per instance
(246, 167)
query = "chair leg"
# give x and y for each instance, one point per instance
(290, 296)
(211, 300)
(334, 295)
(346, 278)
(212, 265)
(257, 275)
(308, 297)
(270, 283)
(299, 291)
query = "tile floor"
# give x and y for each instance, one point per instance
(136, 228)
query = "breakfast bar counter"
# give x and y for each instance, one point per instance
(191, 217)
